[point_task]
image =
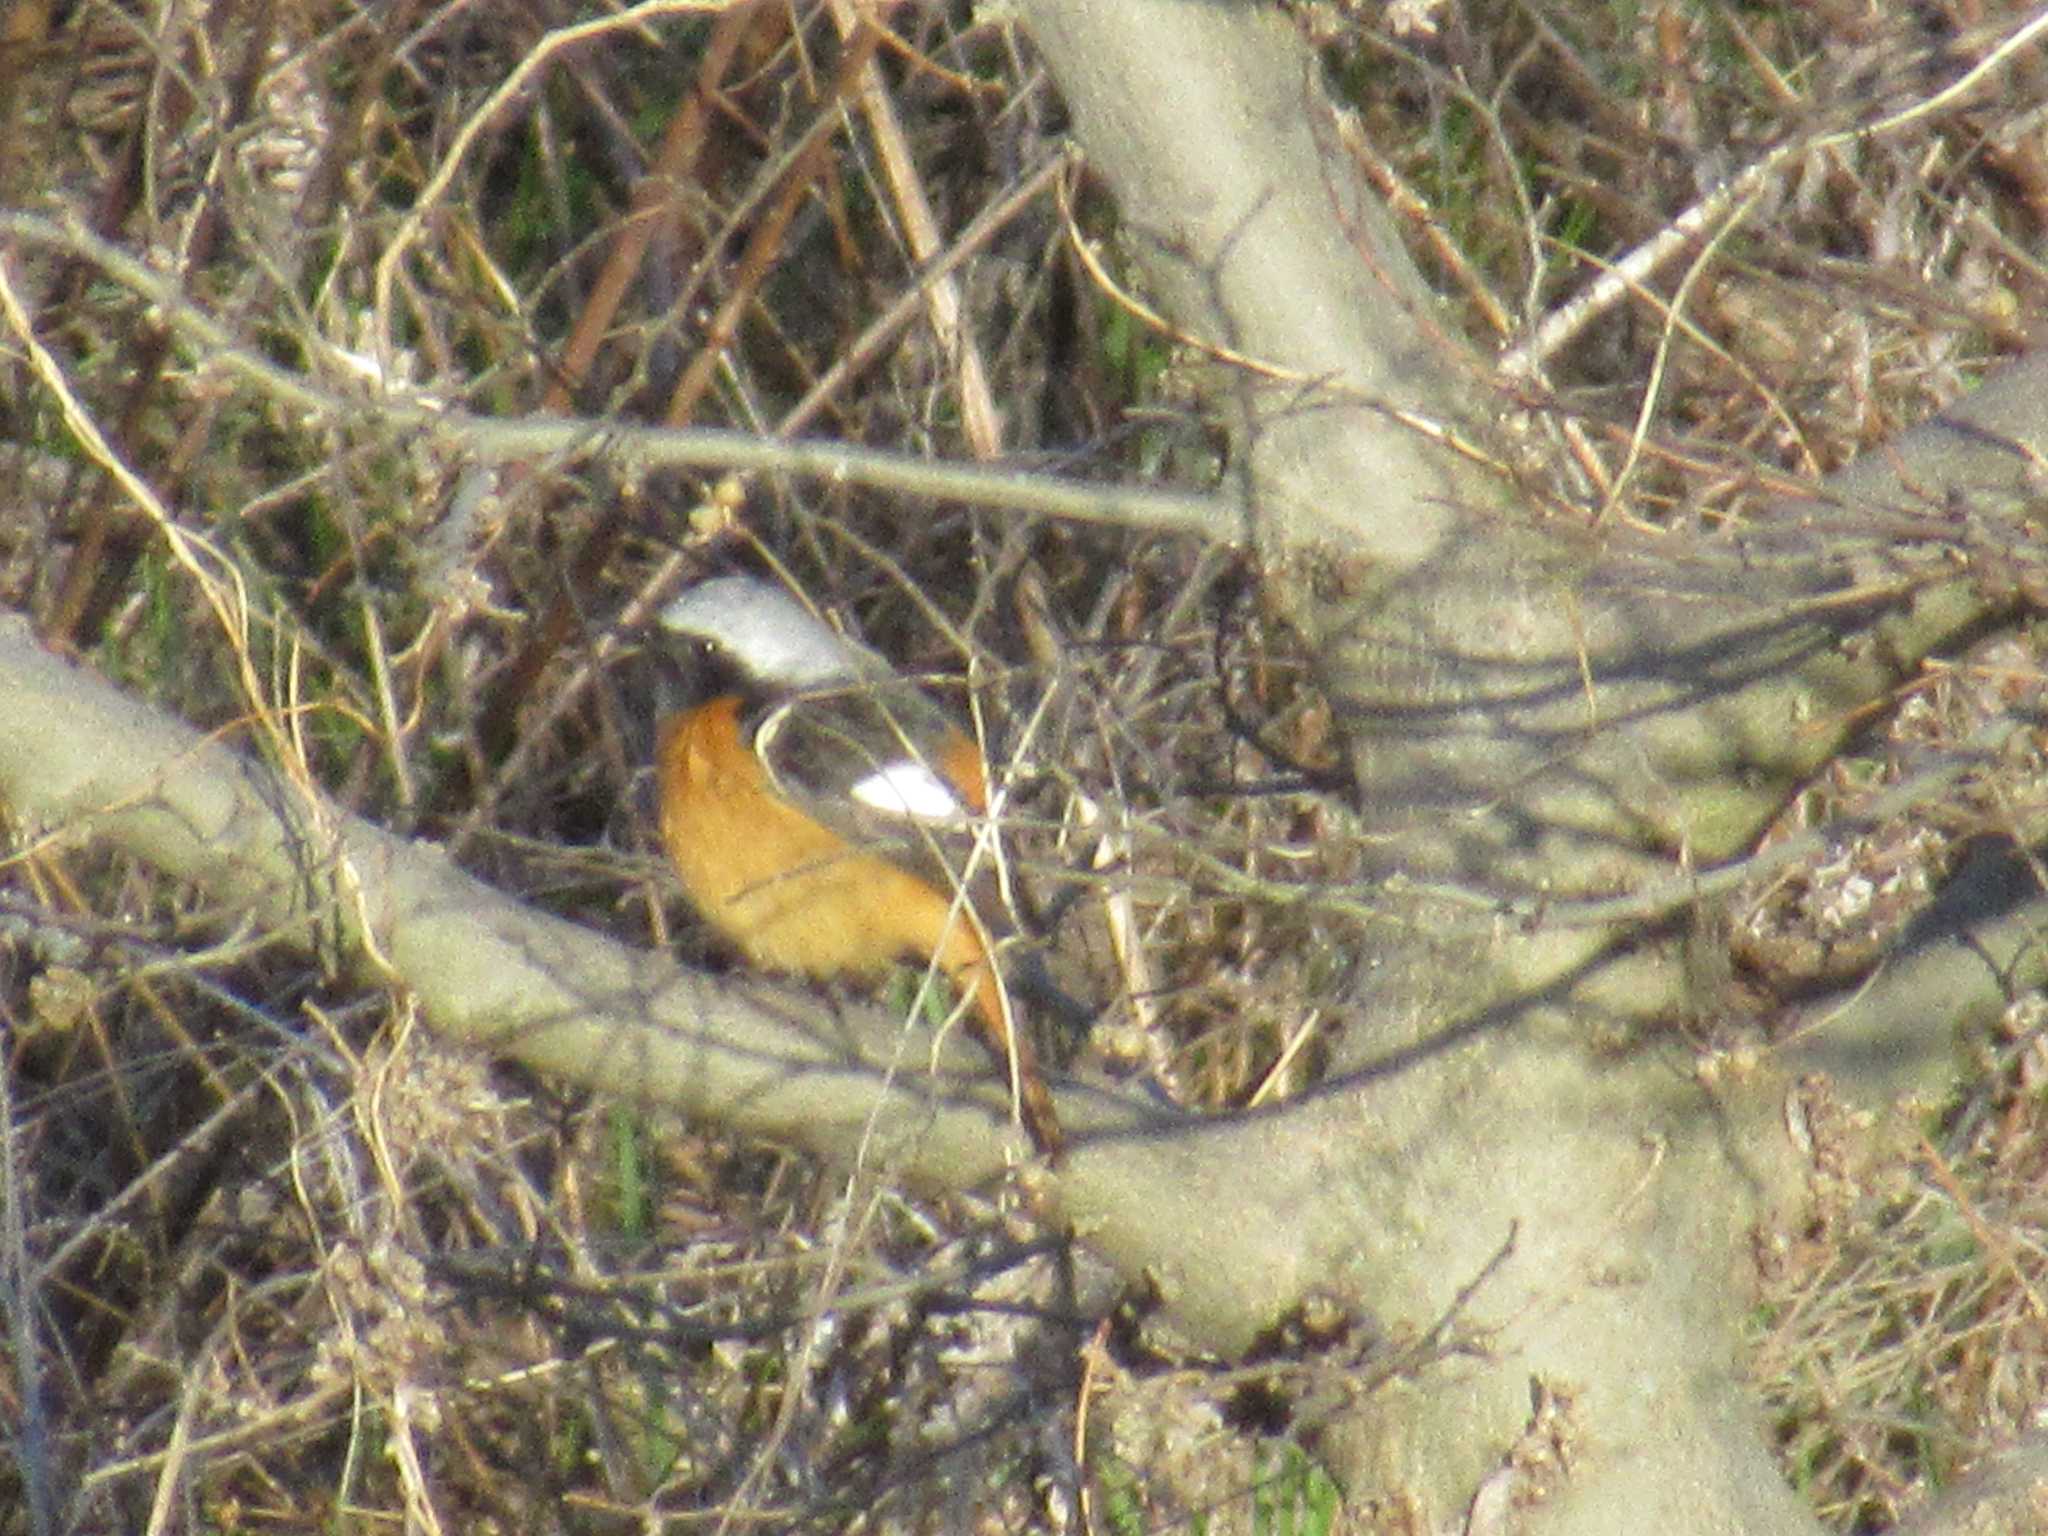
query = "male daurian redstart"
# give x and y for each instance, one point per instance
(807, 805)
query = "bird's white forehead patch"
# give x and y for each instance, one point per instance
(908, 789)
(766, 631)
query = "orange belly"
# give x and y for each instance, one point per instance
(792, 895)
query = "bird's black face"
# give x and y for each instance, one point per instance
(689, 669)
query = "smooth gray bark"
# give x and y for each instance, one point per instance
(1539, 714)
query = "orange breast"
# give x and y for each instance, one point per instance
(791, 893)
(795, 896)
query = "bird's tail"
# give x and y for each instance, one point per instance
(967, 962)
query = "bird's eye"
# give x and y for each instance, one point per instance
(699, 667)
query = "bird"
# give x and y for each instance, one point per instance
(805, 799)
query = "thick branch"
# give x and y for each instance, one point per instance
(1235, 1221)
(1257, 234)
(1533, 710)
(78, 759)
(622, 444)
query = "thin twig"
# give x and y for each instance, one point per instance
(1633, 271)
(20, 1298)
(437, 186)
(979, 417)
(501, 440)
(885, 327)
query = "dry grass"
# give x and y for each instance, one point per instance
(283, 1263)
(1903, 1327)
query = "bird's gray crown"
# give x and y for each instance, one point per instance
(768, 632)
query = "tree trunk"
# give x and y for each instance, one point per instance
(1542, 716)
(1514, 1179)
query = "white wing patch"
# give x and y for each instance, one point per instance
(905, 788)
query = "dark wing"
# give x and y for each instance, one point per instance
(883, 765)
(891, 771)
